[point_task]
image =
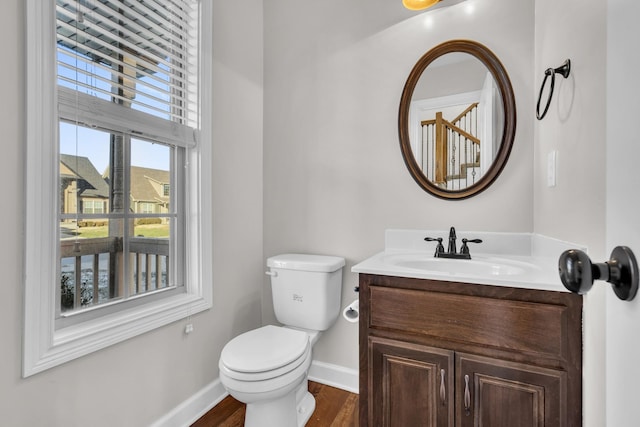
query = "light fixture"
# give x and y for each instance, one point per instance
(419, 4)
(426, 4)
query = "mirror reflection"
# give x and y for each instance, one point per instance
(455, 119)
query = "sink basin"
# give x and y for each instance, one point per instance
(519, 260)
(479, 266)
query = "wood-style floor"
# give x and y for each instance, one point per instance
(334, 408)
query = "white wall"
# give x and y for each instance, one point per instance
(623, 205)
(575, 123)
(136, 382)
(575, 127)
(334, 175)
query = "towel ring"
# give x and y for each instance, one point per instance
(564, 69)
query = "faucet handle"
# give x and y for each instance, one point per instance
(465, 249)
(439, 247)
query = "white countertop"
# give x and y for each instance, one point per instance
(519, 260)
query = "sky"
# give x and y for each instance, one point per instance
(94, 144)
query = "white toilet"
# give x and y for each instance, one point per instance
(267, 368)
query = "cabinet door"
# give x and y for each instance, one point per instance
(495, 393)
(410, 385)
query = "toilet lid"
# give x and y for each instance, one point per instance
(264, 349)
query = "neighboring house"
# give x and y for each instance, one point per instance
(82, 184)
(149, 188)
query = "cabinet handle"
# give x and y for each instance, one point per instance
(467, 396)
(443, 390)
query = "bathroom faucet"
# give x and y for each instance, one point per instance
(452, 252)
(452, 241)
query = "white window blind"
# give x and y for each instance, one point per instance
(130, 54)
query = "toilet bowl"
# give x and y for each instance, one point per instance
(267, 368)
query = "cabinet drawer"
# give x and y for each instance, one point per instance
(529, 327)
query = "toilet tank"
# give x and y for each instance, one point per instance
(306, 289)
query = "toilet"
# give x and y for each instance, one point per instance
(267, 368)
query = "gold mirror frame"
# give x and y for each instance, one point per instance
(493, 64)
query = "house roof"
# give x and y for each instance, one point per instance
(142, 184)
(90, 182)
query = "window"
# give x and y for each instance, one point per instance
(92, 206)
(116, 219)
(146, 208)
(142, 249)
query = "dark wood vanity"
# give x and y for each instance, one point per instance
(436, 353)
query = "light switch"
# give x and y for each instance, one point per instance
(552, 163)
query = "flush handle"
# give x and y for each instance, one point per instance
(271, 273)
(578, 273)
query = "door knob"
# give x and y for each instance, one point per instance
(577, 272)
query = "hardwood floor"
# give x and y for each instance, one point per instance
(334, 408)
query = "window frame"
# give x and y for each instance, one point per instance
(44, 346)
(130, 294)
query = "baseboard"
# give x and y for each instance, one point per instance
(194, 407)
(200, 403)
(334, 376)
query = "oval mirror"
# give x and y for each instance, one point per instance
(457, 119)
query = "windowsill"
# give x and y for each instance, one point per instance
(112, 307)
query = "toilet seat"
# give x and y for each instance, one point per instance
(264, 353)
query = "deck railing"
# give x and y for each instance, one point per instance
(90, 269)
(151, 268)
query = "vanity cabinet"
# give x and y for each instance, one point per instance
(457, 354)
